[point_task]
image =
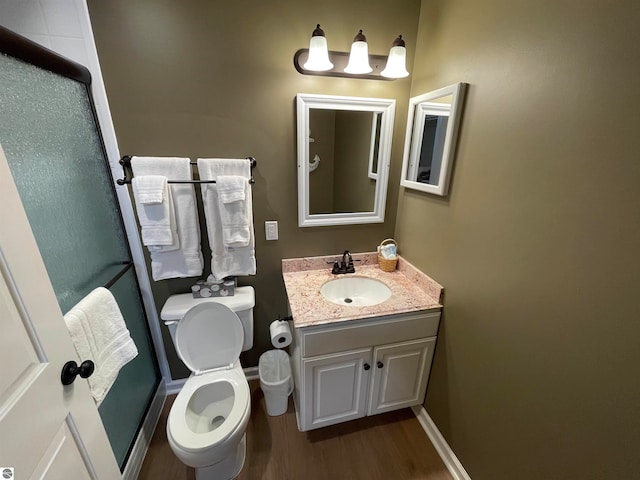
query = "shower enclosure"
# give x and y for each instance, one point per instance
(51, 138)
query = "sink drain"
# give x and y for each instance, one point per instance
(347, 300)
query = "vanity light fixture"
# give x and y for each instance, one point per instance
(396, 65)
(359, 56)
(318, 60)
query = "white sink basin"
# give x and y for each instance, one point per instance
(355, 291)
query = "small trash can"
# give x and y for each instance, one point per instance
(276, 381)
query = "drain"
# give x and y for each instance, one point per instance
(347, 300)
(217, 421)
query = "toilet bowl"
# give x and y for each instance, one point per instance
(208, 419)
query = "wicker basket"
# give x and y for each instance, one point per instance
(387, 265)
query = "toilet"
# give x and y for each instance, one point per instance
(208, 419)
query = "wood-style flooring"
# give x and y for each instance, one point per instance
(391, 446)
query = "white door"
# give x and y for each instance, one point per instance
(401, 371)
(336, 388)
(46, 430)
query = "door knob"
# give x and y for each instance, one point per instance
(71, 370)
(367, 366)
(380, 364)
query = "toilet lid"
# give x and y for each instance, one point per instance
(210, 335)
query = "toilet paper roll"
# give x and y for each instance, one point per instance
(280, 334)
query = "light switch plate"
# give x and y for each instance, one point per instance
(271, 229)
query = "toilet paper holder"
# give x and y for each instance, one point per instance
(280, 334)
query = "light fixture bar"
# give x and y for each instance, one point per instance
(340, 61)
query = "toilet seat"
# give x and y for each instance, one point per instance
(235, 422)
(209, 336)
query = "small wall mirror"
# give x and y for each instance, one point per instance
(432, 130)
(344, 146)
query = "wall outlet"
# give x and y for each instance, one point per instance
(271, 229)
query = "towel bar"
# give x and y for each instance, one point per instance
(127, 266)
(126, 163)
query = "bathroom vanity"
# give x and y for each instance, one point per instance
(349, 362)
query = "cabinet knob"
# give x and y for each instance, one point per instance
(367, 366)
(380, 364)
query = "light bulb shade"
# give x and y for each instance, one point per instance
(396, 64)
(358, 59)
(318, 60)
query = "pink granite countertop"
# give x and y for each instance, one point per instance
(411, 290)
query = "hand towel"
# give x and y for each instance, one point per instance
(234, 214)
(231, 188)
(187, 260)
(157, 220)
(99, 334)
(226, 260)
(151, 188)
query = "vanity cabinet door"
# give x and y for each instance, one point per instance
(336, 387)
(400, 374)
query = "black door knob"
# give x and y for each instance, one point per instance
(71, 370)
(380, 364)
(367, 366)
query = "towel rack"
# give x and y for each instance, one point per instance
(126, 163)
(116, 277)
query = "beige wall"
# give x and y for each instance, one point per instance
(537, 364)
(202, 78)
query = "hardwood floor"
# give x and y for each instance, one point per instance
(383, 447)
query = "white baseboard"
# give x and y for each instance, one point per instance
(174, 386)
(141, 445)
(251, 373)
(449, 458)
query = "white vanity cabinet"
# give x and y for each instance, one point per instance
(346, 370)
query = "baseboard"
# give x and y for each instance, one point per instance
(251, 373)
(174, 386)
(449, 458)
(141, 445)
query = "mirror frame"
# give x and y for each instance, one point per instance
(383, 106)
(415, 129)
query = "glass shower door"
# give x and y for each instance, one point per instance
(53, 146)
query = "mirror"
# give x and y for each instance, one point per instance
(432, 130)
(344, 145)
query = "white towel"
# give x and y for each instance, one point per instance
(231, 188)
(187, 260)
(99, 334)
(234, 212)
(157, 220)
(151, 188)
(225, 260)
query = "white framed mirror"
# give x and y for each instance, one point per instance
(430, 142)
(344, 147)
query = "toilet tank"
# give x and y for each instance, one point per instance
(241, 303)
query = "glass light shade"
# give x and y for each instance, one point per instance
(318, 60)
(359, 59)
(396, 64)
